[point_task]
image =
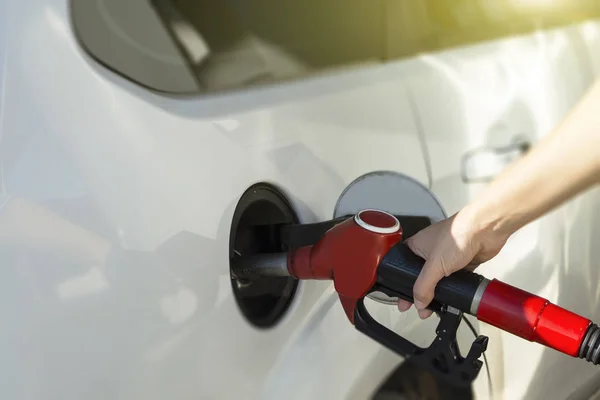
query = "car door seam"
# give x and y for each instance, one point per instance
(420, 134)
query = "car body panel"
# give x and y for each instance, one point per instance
(161, 174)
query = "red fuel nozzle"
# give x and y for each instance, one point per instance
(366, 252)
(349, 253)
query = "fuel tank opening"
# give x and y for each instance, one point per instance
(261, 210)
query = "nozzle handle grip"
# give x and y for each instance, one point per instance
(398, 271)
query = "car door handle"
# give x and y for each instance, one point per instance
(484, 163)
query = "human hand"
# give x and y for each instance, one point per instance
(447, 246)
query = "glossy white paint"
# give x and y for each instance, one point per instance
(482, 97)
(164, 176)
(161, 176)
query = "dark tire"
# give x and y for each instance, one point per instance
(411, 382)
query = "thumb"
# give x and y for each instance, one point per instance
(424, 288)
(421, 243)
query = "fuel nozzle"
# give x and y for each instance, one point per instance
(260, 265)
(365, 254)
(348, 253)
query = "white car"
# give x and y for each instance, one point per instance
(144, 142)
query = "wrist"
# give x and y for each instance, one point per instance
(483, 221)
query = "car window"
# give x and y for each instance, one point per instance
(434, 25)
(129, 38)
(201, 46)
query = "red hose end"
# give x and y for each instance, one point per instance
(561, 329)
(532, 318)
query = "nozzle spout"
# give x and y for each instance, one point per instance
(258, 265)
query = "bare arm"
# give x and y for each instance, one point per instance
(562, 165)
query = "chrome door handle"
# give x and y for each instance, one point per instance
(484, 163)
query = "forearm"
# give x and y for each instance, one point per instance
(560, 166)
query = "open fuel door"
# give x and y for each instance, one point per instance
(411, 202)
